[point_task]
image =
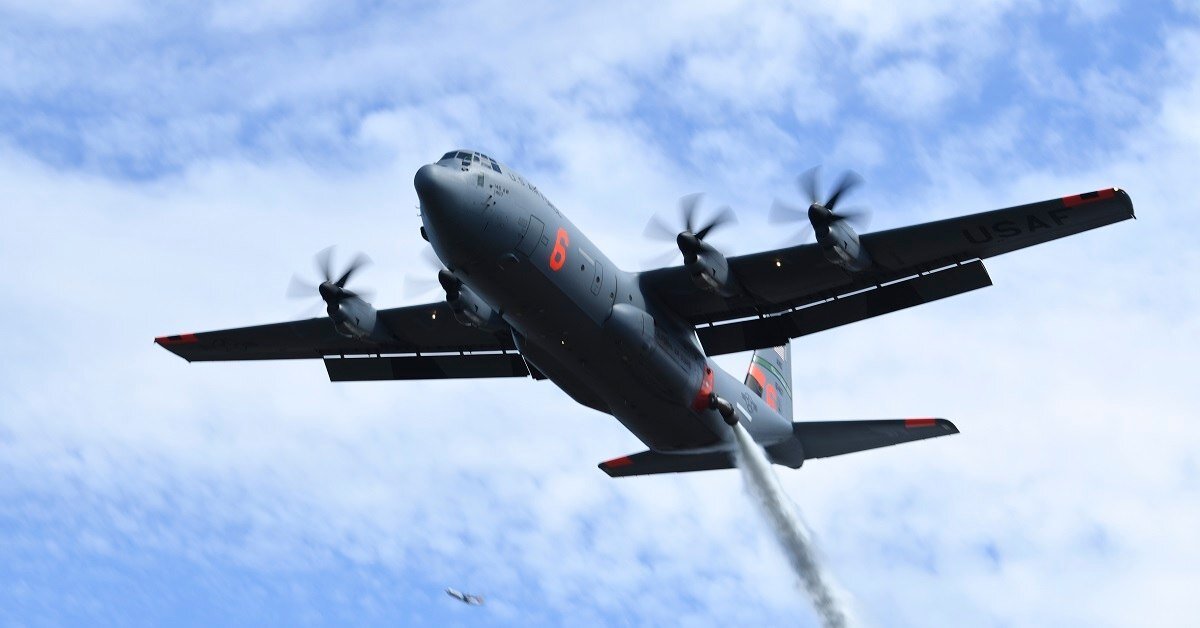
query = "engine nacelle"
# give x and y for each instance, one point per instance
(841, 246)
(469, 308)
(707, 266)
(354, 318)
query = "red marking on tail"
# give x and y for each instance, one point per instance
(182, 339)
(758, 376)
(1088, 197)
(772, 397)
(920, 422)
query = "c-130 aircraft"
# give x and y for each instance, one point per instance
(528, 295)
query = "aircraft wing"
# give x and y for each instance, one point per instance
(416, 331)
(912, 265)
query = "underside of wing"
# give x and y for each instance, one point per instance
(416, 329)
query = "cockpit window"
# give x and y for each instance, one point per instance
(467, 158)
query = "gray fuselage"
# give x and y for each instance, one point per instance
(578, 319)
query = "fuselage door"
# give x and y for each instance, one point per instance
(533, 234)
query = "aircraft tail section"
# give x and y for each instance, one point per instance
(770, 376)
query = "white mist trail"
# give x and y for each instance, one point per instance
(764, 487)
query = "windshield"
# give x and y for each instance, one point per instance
(468, 157)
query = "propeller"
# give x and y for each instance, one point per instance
(332, 287)
(818, 213)
(690, 230)
(418, 285)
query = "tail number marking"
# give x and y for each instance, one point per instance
(558, 256)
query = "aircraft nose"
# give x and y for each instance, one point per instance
(433, 186)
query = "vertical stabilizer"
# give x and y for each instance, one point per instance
(770, 375)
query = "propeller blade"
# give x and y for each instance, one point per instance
(687, 235)
(431, 259)
(365, 295)
(656, 229)
(324, 261)
(782, 213)
(311, 310)
(849, 181)
(415, 287)
(360, 260)
(328, 290)
(300, 289)
(687, 210)
(803, 235)
(725, 216)
(858, 217)
(660, 260)
(810, 184)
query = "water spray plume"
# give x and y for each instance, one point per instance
(764, 488)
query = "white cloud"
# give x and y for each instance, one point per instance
(910, 90)
(88, 13)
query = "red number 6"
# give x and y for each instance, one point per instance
(558, 256)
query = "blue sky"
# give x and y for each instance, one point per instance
(167, 167)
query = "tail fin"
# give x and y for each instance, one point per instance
(770, 375)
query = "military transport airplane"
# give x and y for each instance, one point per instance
(528, 295)
(465, 598)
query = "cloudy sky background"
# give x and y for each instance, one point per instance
(166, 168)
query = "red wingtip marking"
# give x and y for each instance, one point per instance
(1088, 197)
(920, 422)
(623, 461)
(181, 339)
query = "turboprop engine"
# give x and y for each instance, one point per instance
(707, 266)
(838, 240)
(468, 307)
(352, 316)
(833, 227)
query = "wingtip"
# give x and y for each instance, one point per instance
(924, 422)
(948, 425)
(178, 339)
(610, 466)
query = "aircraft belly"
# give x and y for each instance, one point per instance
(597, 363)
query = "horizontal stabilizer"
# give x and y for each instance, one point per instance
(821, 439)
(816, 439)
(652, 462)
